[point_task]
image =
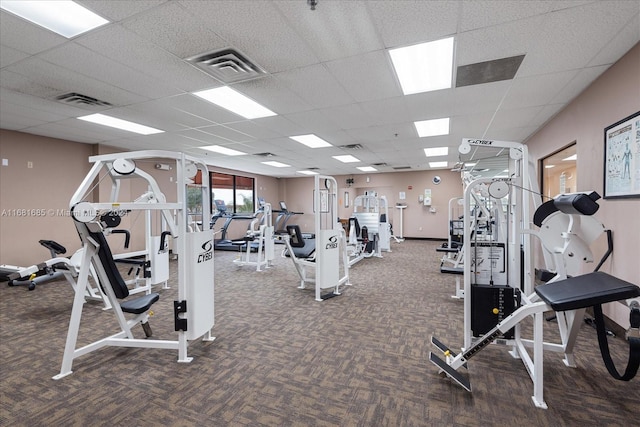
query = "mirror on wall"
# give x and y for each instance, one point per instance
(558, 172)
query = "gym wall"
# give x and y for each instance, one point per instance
(612, 97)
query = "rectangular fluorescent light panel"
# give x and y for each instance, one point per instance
(66, 18)
(573, 157)
(424, 67)
(549, 166)
(104, 120)
(311, 141)
(346, 159)
(438, 164)
(367, 168)
(308, 172)
(276, 164)
(436, 151)
(235, 102)
(223, 150)
(432, 127)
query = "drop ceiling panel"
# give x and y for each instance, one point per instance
(479, 14)
(38, 105)
(126, 47)
(315, 85)
(575, 52)
(168, 113)
(76, 130)
(513, 118)
(620, 43)
(350, 116)
(416, 22)
(72, 56)
(334, 30)
(273, 94)
(59, 80)
(9, 55)
(577, 84)
(266, 36)
(536, 90)
(366, 77)
(387, 111)
(171, 27)
(13, 121)
(24, 36)
(119, 10)
(226, 133)
(39, 115)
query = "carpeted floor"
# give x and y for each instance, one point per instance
(283, 359)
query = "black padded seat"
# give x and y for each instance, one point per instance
(450, 250)
(586, 291)
(140, 304)
(452, 270)
(302, 248)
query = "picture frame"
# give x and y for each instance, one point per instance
(622, 158)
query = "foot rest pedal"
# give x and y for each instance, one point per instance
(451, 373)
(328, 295)
(443, 348)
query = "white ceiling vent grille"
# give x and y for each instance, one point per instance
(401, 168)
(266, 154)
(228, 65)
(80, 100)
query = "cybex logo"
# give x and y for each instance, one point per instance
(207, 247)
(480, 142)
(333, 242)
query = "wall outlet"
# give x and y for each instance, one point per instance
(29, 165)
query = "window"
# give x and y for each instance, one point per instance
(237, 192)
(559, 172)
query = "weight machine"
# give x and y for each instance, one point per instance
(498, 273)
(194, 309)
(322, 261)
(260, 236)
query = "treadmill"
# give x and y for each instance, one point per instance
(224, 243)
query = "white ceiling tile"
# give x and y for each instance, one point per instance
(620, 43)
(9, 55)
(390, 110)
(536, 90)
(415, 21)
(273, 94)
(26, 37)
(119, 10)
(513, 118)
(334, 30)
(478, 14)
(258, 29)
(168, 113)
(366, 77)
(173, 28)
(253, 129)
(58, 80)
(315, 85)
(125, 47)
(226, 133)
(577, 84)
(14, 121)
(72, 56)
(350, 116)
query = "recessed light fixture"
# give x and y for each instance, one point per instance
(276, 164)
(424, 67)
(470, 165)
(549, 166)
(311, 140)
(308, 172)
(105, 120)
(367, 168)
(346, 158)
(436, 151)
(573, 157)
(433, 127)
(235, 102)
(223, 150)
(66, 18)
(438, 164)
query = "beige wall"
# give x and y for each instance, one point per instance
(418, 221)
(612, 97)
(34, 200)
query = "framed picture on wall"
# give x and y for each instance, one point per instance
(622, 158)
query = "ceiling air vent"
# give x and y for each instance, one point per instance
(228, 65)
(313, 169)
(351, 147)
(78, 99)
(489, 71)
(265, 154)
(399, 168)
(382, 164)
